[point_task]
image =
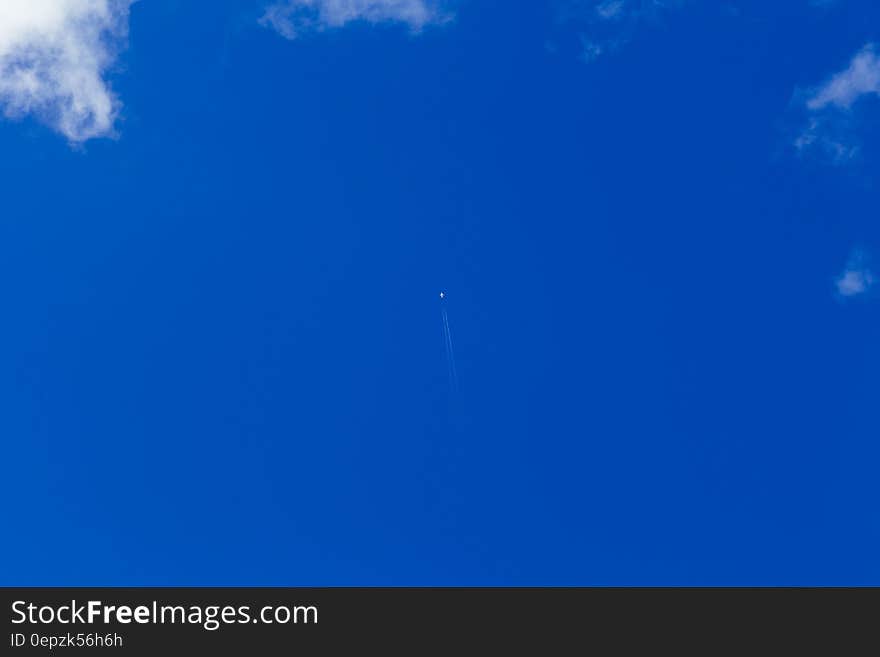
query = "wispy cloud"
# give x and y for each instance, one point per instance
(829, 107)
(292, 18)
(830, 136)
(605, 26)
(860, 78)
(54, 55)
(857, 278)
(611, 9)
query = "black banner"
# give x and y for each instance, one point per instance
(170, 621)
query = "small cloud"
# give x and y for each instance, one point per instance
(829, 127)
(54, 55)
(860, 78)
(857, 278)
(590, 50)
(293, 18)
(829, 136)
(605, 26)
(611, 9)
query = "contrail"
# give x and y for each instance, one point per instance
(450, 351)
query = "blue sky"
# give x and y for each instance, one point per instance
(223, 234)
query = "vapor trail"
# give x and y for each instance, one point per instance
(450, 351)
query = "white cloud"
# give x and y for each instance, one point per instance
(54, 55)
(605, 26)
(291, 18)
(830, 108)
(830, 136)
(857, 278)
(591, 51)
(860, 78)
(611, 9)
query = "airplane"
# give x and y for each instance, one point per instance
(443, 295)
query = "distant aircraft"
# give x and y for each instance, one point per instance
(443, 295)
